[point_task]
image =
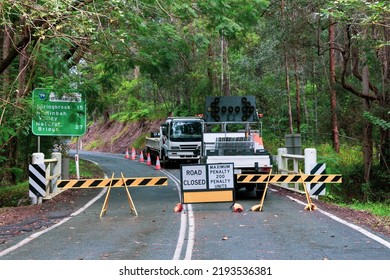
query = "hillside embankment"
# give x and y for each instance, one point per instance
(114, 136)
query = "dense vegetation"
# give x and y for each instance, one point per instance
(320, 68)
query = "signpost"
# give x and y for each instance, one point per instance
(59, 113)
(207, 183)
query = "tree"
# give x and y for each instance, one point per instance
(365, 46)
(332, 86)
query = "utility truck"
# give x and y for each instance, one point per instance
(179, 140)
(233, 134)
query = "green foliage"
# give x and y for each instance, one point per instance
(87, 168)
(376, 208)
(140, 142)
(94, 144)
(377, 121)
(14, 196)
(349, 164)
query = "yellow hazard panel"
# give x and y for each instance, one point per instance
(208, 196)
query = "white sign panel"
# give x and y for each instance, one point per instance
(194, 177)
(221, 176)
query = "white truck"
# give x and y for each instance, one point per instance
(228, 137)
(179, 140)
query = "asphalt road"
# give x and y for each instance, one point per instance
(205, 231)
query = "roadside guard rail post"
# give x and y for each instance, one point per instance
(309, 158)
(53, 173)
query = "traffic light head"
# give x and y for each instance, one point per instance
(231, 109)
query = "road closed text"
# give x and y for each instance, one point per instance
(194, 177)
(198, 182)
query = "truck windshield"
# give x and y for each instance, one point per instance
(186, 131)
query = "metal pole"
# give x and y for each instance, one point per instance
(77, 159)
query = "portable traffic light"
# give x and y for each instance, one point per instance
(231, 109)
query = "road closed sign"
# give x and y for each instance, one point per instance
(207, 183)
(194, 177)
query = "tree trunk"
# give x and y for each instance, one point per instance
(297, 95)
(368, 127)
(225, 76)
(290, 119)
(333, 93)
(6, 74)
(385, 115)
(287, 79)
(23, 64)
(213, 77)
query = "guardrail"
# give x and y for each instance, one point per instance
(283, 158)
(53, 173)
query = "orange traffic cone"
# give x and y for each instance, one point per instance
(133, 154)
(158, 166)
(127, 153)
(148, 160)
(141, 157)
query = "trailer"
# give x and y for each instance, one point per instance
(232, 133)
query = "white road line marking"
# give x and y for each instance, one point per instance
(355, 227)
(191, 233)
(39, 233)
(187, 214)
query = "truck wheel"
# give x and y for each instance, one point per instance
(260, 188)
(165, 160)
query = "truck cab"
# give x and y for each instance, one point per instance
(179, 140)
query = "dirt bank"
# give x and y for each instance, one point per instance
(115, 137)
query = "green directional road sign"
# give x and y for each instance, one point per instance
(58, 113)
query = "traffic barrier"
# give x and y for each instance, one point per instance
(289, 178)
(310, 167)
(129, 199)
(37, 180)
(284, 178)
(52, 171)
(114, 182)
(127, 153)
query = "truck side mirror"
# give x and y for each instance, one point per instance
(164, 130)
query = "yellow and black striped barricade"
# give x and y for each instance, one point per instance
(116, 182)
(288, 178)
(113, 182)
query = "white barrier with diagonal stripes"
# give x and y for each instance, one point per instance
(42, 184)
(311, 166)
